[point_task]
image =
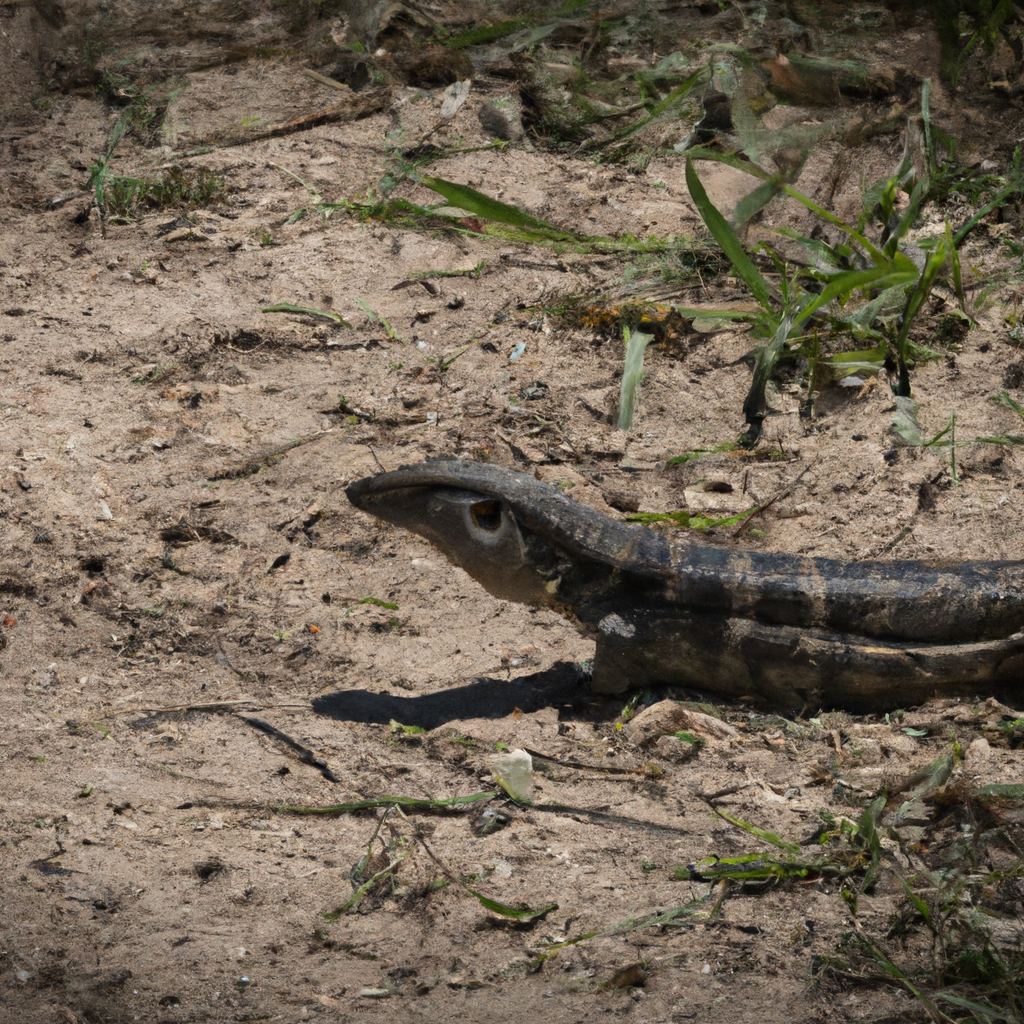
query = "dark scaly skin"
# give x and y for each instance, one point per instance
(792, 631)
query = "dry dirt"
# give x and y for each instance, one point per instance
(165, 577)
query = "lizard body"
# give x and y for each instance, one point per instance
(791, 630)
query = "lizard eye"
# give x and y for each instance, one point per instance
(486, 515)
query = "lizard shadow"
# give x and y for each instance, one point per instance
(564, 686)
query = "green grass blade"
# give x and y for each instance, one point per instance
(860, 366)
(919, 905)
(997, 200)
(480, 34)
(867, 833)
(958, 279)
(979, 1009)
(1014, 439)
(769, 837)
(915, 301)
(466, 198)
(889, 300)
(868, 360)
(1004, 790)
(1014, 185)
(632, 372)
(863, 357)
(905, 421)
(288, 307)
(910, 216)
(759, 869)
(709, 313)
(366, 887)
(873, 251)
(754, 202)
(1004, 399)
(733, 160)
(671, 100)
(926, 119)
(687, 520)
(894, 971)
(827, 255)
(755, 406)
(517, 913)
(679, 92)
(728, 240)
(851, 280)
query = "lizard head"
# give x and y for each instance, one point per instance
(513, 534)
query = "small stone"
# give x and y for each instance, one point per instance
(668, 717)
(978, 751)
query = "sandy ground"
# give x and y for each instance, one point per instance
(173, 567)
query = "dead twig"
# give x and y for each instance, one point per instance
(898, 539)
(718, 793)
(412, 803)
(608, 818)
(891, 972)
(784, 493)
(304, 754)
(360, 106)
(258, 462)
(211, 705)
(374, 454)
(524, 914)
(329, 82)
(643, 770)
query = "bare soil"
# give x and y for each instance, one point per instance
(172, 566)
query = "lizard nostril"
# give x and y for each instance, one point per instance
(487, 515)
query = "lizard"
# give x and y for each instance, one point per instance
(791, 631)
